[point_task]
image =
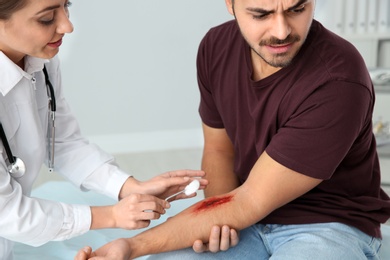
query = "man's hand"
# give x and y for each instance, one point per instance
(116, 250)
(221, 239)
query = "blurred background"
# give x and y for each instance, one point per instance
(129, 71)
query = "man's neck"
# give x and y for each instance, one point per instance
(261, 69)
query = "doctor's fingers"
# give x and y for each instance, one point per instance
(175, 184)
(134, 216)
(136, 199)
(128, 205)
(181, 184)
(135, 220)
(184, 173)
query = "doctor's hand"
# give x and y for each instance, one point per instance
(165, 184)
(221, 239)
(133, 212)
(116, 250)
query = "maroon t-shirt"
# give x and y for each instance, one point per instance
(313, 116)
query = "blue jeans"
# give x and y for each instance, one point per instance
(293, 242)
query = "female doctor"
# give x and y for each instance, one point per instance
(37, 126)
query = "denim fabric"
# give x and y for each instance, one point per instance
(293, 242)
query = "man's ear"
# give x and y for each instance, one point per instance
(229, 5)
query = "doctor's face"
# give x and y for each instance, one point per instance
(274, 29)
(36, 30)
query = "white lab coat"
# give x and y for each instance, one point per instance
(24, 116)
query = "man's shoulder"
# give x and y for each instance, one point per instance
(335, 56)
(228, 25)
(225, 30)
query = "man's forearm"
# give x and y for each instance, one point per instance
(270, 185)
(194, 223)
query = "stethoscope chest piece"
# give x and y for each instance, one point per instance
(17, 169)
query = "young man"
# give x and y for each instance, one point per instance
(289, 151)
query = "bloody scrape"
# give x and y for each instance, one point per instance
(212, 203)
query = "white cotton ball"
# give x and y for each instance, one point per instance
(192, 187)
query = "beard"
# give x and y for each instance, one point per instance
(279, 60)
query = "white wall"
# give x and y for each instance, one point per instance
(129, 70)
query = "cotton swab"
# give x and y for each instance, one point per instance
(188, 190)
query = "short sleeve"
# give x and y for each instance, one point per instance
(207, 109)
(323, 129)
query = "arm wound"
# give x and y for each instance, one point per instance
(212, 203)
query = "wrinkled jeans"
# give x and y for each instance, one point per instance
(323, 241)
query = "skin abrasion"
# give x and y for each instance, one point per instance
(212, 203)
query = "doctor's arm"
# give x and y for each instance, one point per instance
(141, 202)
(269, 186)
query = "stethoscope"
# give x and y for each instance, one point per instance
(15, 165)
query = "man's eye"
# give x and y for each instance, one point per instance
(299, 9)
(259, 17)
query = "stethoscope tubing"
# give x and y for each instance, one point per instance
(51, 95)
(7, 148)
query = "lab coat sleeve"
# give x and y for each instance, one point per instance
(34, 221)
(81, 162)
(109, 183)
